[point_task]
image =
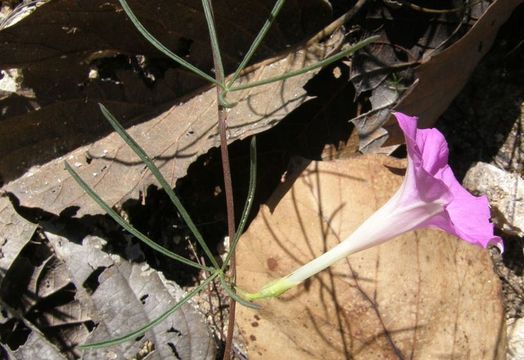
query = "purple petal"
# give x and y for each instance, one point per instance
(469, 215)
(408, 125)
(434, 150)
(430, 179)
(424, 145)
(427, 152)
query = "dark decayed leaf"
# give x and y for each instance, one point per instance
(444, 74)
(426, 58)
(121, 297)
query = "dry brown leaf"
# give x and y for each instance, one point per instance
(175, 139)
(69, 55)
(423, 295)
(444, 75)
(440, 77)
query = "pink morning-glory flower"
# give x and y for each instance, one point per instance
(429, 197)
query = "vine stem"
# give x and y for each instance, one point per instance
(228, 189)
(226, 168)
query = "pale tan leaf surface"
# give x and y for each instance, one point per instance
(175, 138)
(423, 295)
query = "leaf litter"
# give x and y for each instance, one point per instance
(79, 53)
(381, 95)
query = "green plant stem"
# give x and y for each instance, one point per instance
(306, 69)
(139, 332)
(258, 40)
(160, 178)
(232, 294)
(215, 48)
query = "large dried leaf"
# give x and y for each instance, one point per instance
(83, 29)
(72, 54)
(36, 347)
(37, 294)
(54, 292)
(441, 75)
(127, 296)
(175, 138)
(423, 295)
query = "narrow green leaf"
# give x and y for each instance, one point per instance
(215, 48)
(249, 199)
(258, 40)
(126, 225)
(156, 43)
(141, 331)
(306, 69)
(160, 178)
